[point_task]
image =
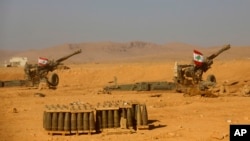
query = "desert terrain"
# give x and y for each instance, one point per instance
(173, 116)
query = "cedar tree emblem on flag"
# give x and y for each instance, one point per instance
(198, 58)
(42, 61)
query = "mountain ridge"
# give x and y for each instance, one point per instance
(116, 51)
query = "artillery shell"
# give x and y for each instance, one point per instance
(67, 121)
(144, 115)
(124, 113)
(79, 121)
(129, 117)
(138, 115)
(133, 113)
(73, 122)
(86, 121)
(91, 121)
(98, 120)
(60, 121)
(54, 121)
(110, 119)
(116, 119)
(104, 119)
(135, 110)
(48, 121)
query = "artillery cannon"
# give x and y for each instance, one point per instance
(36, 73)
(188, 77)
(190, 74)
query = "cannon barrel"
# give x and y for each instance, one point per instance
(226, 47)
(68, 56)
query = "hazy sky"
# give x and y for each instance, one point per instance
(29, 24)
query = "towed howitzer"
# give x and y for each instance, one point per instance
(191, 74)
(37, 73)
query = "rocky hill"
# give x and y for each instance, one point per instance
(98, 52)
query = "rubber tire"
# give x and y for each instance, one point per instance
(53, 80)
(211, 78)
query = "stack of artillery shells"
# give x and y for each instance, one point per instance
(56, 119)
(82, 118)
(107, 115)
(67, 119)
(79, 118)
(121, 114)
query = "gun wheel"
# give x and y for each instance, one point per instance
(53, 79)
(211, 78)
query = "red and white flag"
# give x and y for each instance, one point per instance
(198, 58)
(42, 61)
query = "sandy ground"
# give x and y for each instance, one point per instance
(175, 118)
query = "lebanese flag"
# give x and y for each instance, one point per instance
(42, 61)
(198, 58)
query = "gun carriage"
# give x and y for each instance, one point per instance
(37, 73)
(191, 74)
(41, 72)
